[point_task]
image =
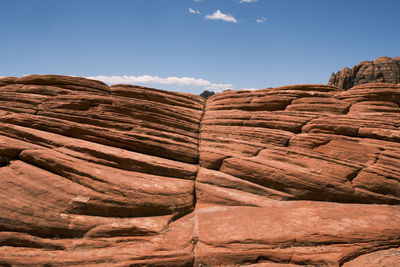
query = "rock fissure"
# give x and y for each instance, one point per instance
(195, 237)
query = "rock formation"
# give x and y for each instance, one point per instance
(381, 70)
(207, 94)
(92, 175)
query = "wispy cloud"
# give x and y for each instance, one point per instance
(194, 11)
(247, 1)
(261, 20)
(198, 0)
(180, 81)
(218, 15)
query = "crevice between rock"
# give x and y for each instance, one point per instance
(195, 224)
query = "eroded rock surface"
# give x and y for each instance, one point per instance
(92, 175)
(381, 70)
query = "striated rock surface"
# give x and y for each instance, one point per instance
(381, 70)
(92, 175)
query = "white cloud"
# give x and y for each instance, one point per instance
(198, 0)
(247, 1)
(180, 81)
(261, 20)
(218, 15)
(194, 11)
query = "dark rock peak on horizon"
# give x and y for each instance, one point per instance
(381, 70)
(206, 94)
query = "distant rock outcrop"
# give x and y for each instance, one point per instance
(381, 70)
(303, 175)
(206, 94)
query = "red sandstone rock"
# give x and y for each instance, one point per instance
(91, 175)
(313, 233)
(383, 258)
(68, 82)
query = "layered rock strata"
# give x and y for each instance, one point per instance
(92, 175)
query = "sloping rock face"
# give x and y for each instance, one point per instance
(91, 175)
(381, 70)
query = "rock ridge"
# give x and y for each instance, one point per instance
(123, 175)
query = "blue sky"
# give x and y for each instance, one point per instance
(187, 45)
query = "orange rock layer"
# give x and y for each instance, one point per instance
(92, 175)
